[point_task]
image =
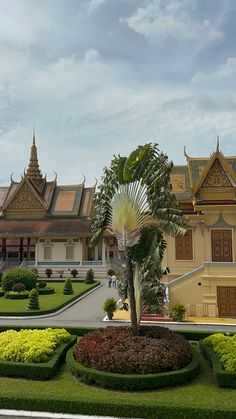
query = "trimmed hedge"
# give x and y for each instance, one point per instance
(223, 378)
(46, 291)
(14, 276)
(13, 295)
(133, 382)
(41, 312)
(39, 371)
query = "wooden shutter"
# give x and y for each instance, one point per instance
(69, 252)
(184, 246)
(47, 252)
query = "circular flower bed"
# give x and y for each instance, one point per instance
(116, 350)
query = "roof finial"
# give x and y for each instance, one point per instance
(34, 135)
(218, 144)
(185, 152)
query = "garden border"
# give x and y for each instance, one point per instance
(36, 371)
(133, 382)
(223, 378)
(54, 310)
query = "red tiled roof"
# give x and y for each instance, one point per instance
(23, 228)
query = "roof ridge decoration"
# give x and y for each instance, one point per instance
(216, 155)
(33, 171)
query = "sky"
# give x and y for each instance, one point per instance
(99, 77)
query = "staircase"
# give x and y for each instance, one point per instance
(63, 271)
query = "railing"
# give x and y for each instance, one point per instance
(92, 262)
(58, 263)
(117, 263)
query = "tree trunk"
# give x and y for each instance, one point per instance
(130, 280)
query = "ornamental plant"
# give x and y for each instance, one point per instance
(31, 345)
(68, 289)
(33, 303)
(178, 311)
(89, 277)
(135, 197)
(48, 272)
(225, 347)
(110, 272)
(14, 276)
(109, 307)
(42, 284)
(74, 273)
(18, 287)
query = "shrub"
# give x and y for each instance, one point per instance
(18, 287)
(16, 295)
(109, 307)
(48, 272)
(46, 291)
(116, 350)
(31, 345)
(2, 292)
(74, 273)
(42, 284)
(68, 290)
(61, 272)
(33, 303)
(1, 275)
(225, 347)
(89, 277)
(35, 270)
(10, 278)
(178, 311)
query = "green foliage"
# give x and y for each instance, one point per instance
(68, 289)
(33, 303)
(178, 311)
(34, 270)
(225, 347)
(14, 276)
(31, 345)
(109, 307)
(2, 292)
(42, 284)
(34, 370)
(74, 273)
(89, 277)
(46, 291)
(18, 287)
(16, 295)
(48, 272)
(222, 377)
(133, 382)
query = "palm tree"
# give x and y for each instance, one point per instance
(134, 195)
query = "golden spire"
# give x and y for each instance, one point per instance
(33, 171)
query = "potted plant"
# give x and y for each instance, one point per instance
(109, 307)
(74, 273)
(178, 311)
(48, 272)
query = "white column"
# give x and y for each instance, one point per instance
(104, 252)
(96, 252)
(36, 252)
(81, 248)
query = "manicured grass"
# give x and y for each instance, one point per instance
(46, 302)
(199, 399)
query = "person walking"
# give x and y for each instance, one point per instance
(113, 280)
(109, 281)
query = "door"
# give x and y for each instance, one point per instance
(226, 301)
(221, 244)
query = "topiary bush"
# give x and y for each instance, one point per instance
(42, 284)
(15, 295)
(116, 350)
(68, 289)
(46, 291)
(74, 273)
(178, 312)
(10, 278)
(110, 272)
(48, 272)
(109, 307)
(89, 277)
(225, 347)
(18, 287)
(33, 303)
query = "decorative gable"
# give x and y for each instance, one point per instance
(217, 177)
(25, 199)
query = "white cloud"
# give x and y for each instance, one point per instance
(162, 20)
(95, 4)
(225, 72)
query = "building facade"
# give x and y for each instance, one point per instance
(46, 224)
(203, 262)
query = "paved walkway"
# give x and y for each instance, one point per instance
(87, 312)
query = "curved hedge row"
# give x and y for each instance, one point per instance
(46, 290)
(222, 377)
(133, 381)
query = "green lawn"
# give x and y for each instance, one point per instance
(46, 302)
(199, 399)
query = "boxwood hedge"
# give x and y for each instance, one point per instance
(133, 381)
(223, 378)
(39, 371)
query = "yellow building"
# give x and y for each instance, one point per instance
(203, 263)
